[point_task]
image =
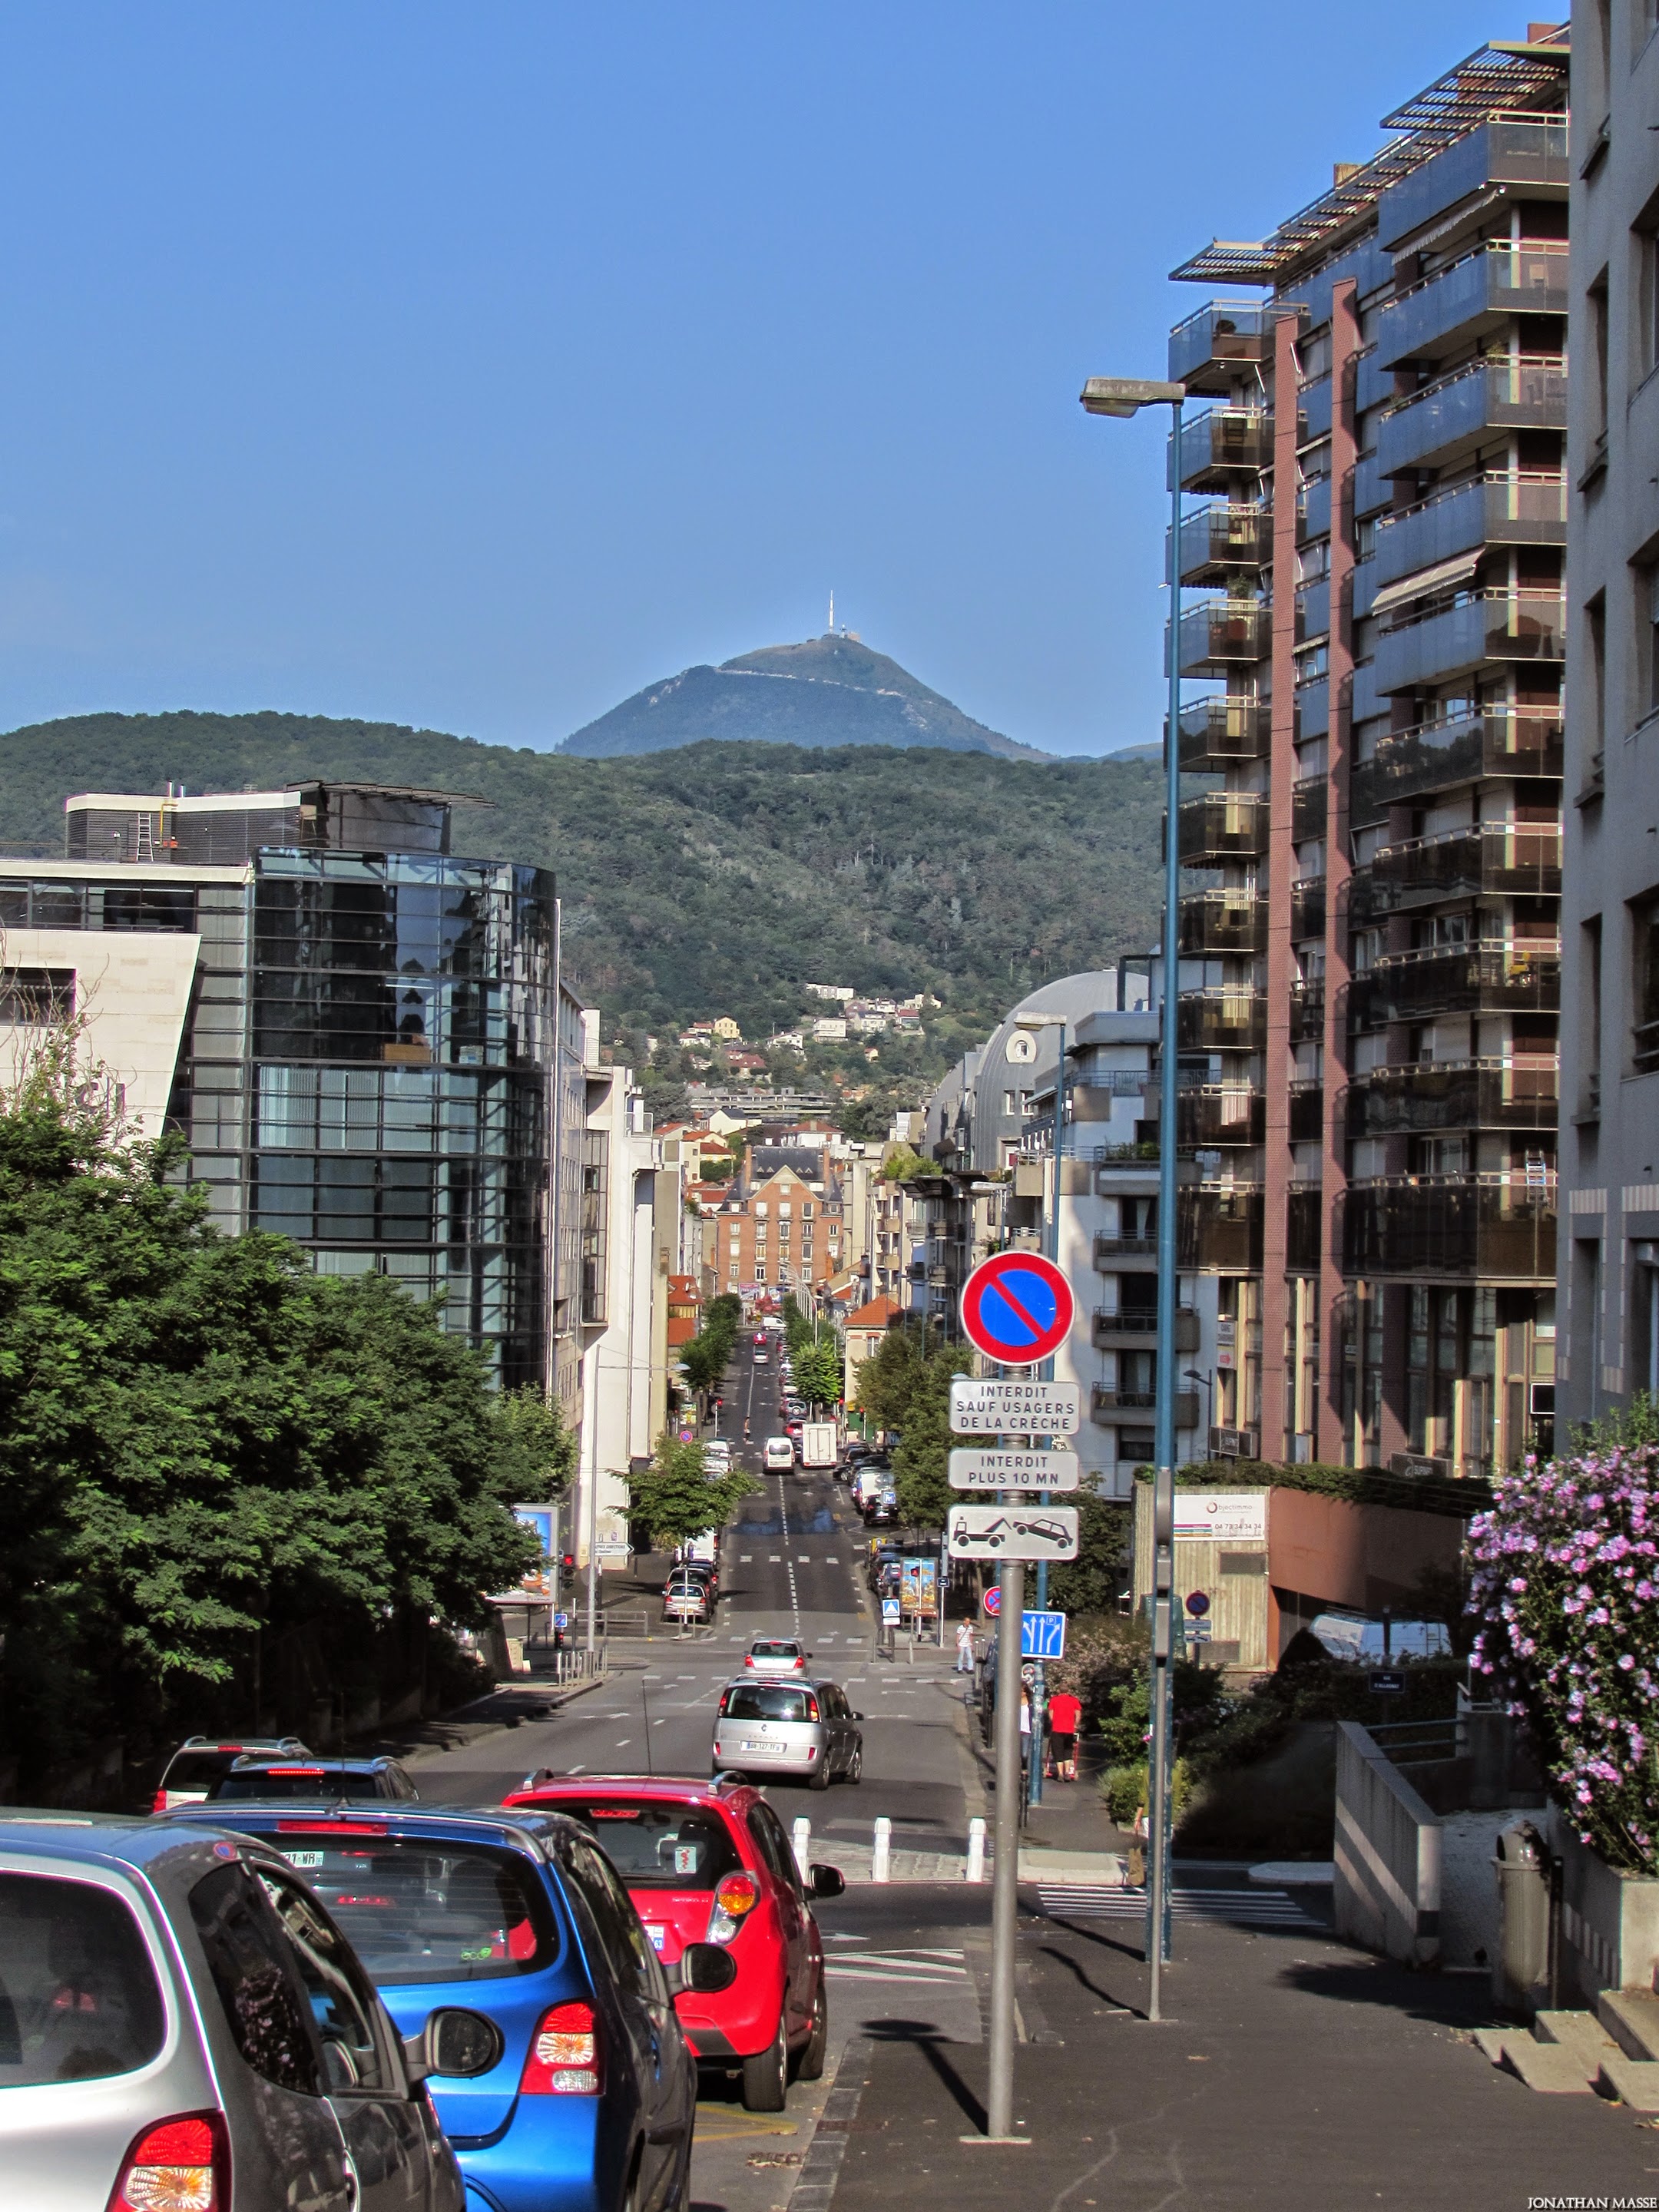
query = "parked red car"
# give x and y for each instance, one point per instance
(710, 1863)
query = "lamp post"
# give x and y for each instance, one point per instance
(1123, 396)
(1039, 1682)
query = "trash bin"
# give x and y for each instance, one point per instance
(1521, 1971)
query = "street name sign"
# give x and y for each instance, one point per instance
(983, 1405)
(1015, 1470)
(1016, 1308)
(1012, 1532)
(1043, 1636)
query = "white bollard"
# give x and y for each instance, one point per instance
(881, 1861)
(800, 1836)
(976, 1851)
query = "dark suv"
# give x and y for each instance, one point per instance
(319, 1781)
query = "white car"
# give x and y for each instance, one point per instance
(717, 1456)
(779, 1456)
(775, 1655)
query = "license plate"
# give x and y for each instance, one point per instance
(303, 1858)
(659, 1935)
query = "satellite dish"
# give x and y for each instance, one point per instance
(1021, 1048)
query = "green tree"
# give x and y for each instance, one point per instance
(888, 1377)
(817, 1370)
(1091, 1582)
(676, 1499)
(921, 1458)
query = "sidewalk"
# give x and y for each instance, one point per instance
(510, 1706)
(1299, 2075)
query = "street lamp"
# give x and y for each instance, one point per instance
(1122, 395)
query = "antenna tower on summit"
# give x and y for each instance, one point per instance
(832, 614)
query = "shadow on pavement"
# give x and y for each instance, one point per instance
(1462, 2002)
(923, 2035)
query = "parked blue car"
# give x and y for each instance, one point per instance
(586, 2098)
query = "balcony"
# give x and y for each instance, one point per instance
(1307, 809)
(1219, 1226)
(1209, 350)
(1313, 611)
(1304, 1229)
(1307, 1112)
(1215, 1114)
(1307, 1012)
(1223, 922)
(1514, 509)
(1506, 741)
(1472, 296)
(1499, 1227)
(1446, 422)
(1307, 908)
(1219, 1020)
(1217, 733)
(1217, 444)
(1313, 513)
(1457, 979)
(1314, 398)
(1430, 1096)
(1221, 826)
(1512, 860)
(1484, 628)
(1138, 1326)
(1112, 1252)
(1217, 634)
(1509, 149)
(1223, 536)
(1140, 1405)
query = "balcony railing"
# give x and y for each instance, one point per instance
(1481, 626)
(1500, 509)
(1219, 1020)
(1307, 1012)
(1221, 826)
(1216, 445)
(1219, 1226)
(1228, 535)
(1215, 732)
(1108, 1405)
(1509, 149)
(1223, 922)
(1453, 979)
(1138, 1326)
(1207, 351)
(1497, 1226)
(1309, 808)
(1307, 1112)
(1220, 1113)
(1313, 611)
(1498, 279)
(1427, 1097)
(1448, 420)
(1111, 1252)
(1515, 859)
(1506, 741)
(1217, 634)
(1307, 908)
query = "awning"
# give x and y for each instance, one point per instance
(1440, 578)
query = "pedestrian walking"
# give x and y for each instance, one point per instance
(964, 1647)
(1141, 1831)
(1025, 1730)
(1065, 1715)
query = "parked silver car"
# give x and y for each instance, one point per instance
(805, 1731)
(176, 2008)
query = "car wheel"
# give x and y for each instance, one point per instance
(766, 2075)
(855, 1764)
(809, 2067)
(629, 2199)
(819, 1777)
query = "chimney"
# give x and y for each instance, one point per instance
(1341, 171)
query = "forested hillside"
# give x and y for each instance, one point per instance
(719, 879)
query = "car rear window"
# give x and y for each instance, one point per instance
(659, 1846)
(763, 1649)
(312, 1781)
(198, 1770)
(417, 1910)
(79, 1999)
(765, 1701)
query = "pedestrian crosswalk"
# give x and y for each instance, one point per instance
(1237, 1908)
(918, 1968)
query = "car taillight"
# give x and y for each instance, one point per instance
(725, 1694)
(812, 1709)
(567, 2054)
(178, 2166)
(160, 1803)
(737, 1895)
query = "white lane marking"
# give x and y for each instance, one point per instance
(776, 1559)
(805, 1561)
(622, 1741)
(660, 1724)
(745, 1559)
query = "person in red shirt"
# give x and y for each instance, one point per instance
(1065, 1712)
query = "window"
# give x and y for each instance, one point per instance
(1590, 1101)
(601, 1899)
(772, 1844)
(655, 1845)
(765, 1701)
(36, 997)
(1647, 641)
(256, 1978)
(79, 2000)
(343, 2004)
(1595, 299)
(1644, 982)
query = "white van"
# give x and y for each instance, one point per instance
(780, 1455)
(717, 1456)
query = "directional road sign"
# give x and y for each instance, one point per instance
(1043, 1636)
(1015, 1470)
(1016, 1308)
(981, 1406)
(1012, 1532)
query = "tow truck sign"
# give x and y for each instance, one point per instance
(1011, 1532)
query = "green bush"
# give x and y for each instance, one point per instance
(1123, 1790)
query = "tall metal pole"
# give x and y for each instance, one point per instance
(1158, 1810)
(1004, 1891)
(1051, 1369)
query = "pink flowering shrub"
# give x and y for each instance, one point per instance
(1565, 1586)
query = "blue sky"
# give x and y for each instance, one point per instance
(473, 366)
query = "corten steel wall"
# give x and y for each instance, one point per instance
(1361, 1557)
(1387, 1888)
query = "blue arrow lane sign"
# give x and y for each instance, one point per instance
(1043, 1636)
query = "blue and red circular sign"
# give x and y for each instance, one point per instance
(992, 1600)
(1016, 1308)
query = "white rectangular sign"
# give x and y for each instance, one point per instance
(1221, 1516)
(1015, 1470)
(1012, 1532)
(981, 1406)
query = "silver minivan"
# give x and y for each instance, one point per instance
(179, 2018)
(805, 1731)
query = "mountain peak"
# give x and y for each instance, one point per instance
(828, 691)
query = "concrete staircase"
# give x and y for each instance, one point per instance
(1612, 2052)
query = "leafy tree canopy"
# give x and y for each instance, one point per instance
(676, 1499)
